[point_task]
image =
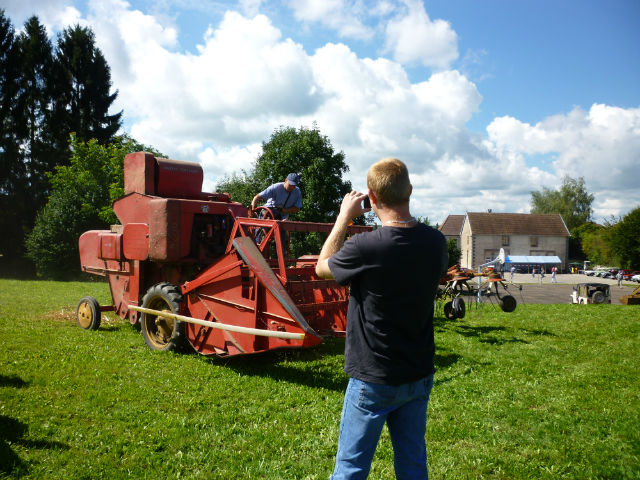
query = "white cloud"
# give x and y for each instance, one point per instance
(53, 14)
(339, 15)
(601, 145)
(415, 38)
(242, 78)
(250, 7)
(220, 164)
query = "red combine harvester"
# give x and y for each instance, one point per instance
(184, 265)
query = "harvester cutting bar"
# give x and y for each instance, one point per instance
(219, 326)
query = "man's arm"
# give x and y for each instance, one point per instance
(290, 210)
(255, 200)
(349, 209)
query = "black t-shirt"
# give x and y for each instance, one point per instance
(394, 275)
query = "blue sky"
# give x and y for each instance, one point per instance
(484, 100)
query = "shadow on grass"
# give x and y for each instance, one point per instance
(487, 334)
(12, 381)
(12, 432)
(541, 333)
(110, 328)
(445, 360)
(293, 365)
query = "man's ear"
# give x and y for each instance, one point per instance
(372, 196)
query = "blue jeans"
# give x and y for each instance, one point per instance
(367, 406)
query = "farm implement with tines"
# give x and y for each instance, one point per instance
(194, 271)
(460, 282)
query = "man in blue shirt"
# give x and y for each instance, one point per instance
(283, 198)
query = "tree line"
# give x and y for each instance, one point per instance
(48, 90)
(616, 243)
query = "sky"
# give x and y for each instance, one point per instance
(485, 101)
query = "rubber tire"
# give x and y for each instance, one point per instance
(459, 307)
(508, 303)
(159, 333)
(597, 297)
(88, 313)
(449, 312)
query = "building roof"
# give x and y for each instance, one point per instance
(452, 225)
(550, 224)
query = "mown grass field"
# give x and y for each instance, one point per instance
(547, 392)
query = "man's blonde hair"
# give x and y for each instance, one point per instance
(389, 180)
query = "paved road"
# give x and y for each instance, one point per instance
(537, 291)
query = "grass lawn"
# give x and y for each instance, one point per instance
(549, 391)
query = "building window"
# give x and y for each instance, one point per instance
(534, 241)
(505, 240)
(490, 255)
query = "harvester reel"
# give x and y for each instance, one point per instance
(162, 333)
(88, 313)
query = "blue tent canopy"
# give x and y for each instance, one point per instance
(534, 259)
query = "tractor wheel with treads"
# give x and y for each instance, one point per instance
(88, 313)
(162, 333)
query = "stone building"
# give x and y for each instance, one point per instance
(482, 235)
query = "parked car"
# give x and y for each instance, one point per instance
(586, 293)
(635, 278)
(627, 274)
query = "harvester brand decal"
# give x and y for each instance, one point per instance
(205, 208)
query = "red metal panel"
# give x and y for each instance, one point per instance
(136, 241)
(133, 208)
(89, 246)
(178, 179)
(164, 230)
(111, 246)
(256, 262)
(139, 173)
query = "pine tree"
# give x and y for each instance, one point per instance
(9, 160)
(82, 80)
(33, 102)
(12, 172)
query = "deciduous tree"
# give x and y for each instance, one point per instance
(80, 200)
(572, 201)
(309, 153)
(453, 251)
(624, 240)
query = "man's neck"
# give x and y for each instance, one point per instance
(397, 216)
